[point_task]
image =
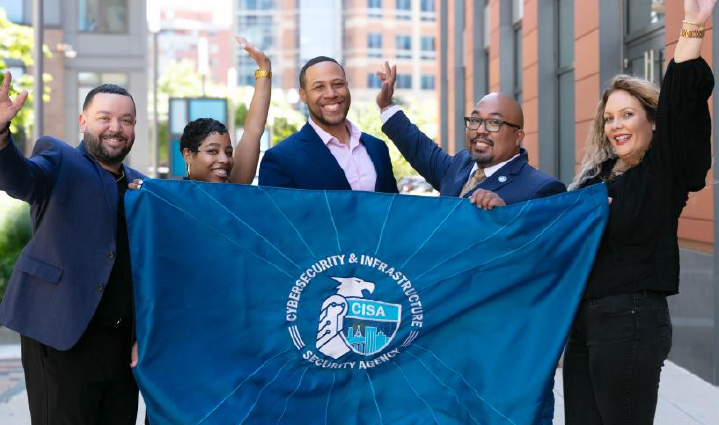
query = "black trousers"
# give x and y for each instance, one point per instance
(90, 384)
(616, 350)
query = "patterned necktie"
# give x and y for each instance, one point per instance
(477, 177)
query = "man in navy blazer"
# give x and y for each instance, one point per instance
(493, 165)
(493, 170)
(329, 152)
(70, 293)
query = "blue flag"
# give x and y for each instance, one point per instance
(260, 305)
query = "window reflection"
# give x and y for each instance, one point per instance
(642, 14)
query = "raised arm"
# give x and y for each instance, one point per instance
(247, 153)
(696, 13)
(8, 109)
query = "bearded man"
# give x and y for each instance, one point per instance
(329, 152)
(70, 293)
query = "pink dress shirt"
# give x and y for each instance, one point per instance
(353, 158)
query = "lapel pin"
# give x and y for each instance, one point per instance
(502, 179)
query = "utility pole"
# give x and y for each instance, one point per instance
(37, 22)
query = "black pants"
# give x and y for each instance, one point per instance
(90, 384)
(616, 350)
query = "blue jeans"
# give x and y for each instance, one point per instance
(616, 350)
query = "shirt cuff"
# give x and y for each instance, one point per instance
(389, 113)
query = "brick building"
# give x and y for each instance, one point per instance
(554, 57)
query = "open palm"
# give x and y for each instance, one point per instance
(8, 108)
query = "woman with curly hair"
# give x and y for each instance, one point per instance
(651, 149)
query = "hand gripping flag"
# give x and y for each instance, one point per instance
(272, 306)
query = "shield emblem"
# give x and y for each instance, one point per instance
(369, 325)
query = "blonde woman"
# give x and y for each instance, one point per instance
(651, 150)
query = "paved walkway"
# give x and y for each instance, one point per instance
(684, 399)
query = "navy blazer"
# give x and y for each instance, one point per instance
(514, 182)
(303, 161)
(60, 275)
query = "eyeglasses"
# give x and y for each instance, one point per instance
(490, 124)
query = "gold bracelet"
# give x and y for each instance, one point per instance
(692, 33)
(693, 23)
(259, 74)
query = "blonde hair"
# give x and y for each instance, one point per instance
(598, 147)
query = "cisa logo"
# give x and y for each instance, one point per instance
(354, 324)
(350, 322)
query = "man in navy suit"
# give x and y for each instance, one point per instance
(329, 152)
(492, 170)
(70, 293)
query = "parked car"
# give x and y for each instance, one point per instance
(415, 185)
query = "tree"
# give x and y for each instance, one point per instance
(366, 116)
(17, 42)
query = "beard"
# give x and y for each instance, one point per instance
(481, 159)
(95, 148)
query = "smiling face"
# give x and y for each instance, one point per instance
(213, 160)
(626, 126)
(490, 148)
(326, 93)
(108, 127)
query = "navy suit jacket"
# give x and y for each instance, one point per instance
(516, 181)
(303, 161)
(60, 275)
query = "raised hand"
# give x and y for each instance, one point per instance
(388, 77)
(263, 62)
(8, 108)
(698, 11)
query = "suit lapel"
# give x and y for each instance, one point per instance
(461, 178)
(316, 149)
(506, 174)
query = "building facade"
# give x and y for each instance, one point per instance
(92, 42)
(554, 56)
(360, 34)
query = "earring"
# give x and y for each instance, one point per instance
(189, 170)
(654, 127)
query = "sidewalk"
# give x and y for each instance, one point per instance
(684, 399)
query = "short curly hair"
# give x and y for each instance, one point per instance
(196, 132)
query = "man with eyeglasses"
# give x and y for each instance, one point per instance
(492, 171)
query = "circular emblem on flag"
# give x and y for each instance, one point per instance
(358, 311)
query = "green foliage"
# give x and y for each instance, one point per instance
(15, 232)
(366, 116)
(240, 115)
(282, 129)
(17, 42)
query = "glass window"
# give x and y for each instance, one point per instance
(427, 47)
(13, 10)
(404, 81)
(373, 81)
(404, 47)
(404, 9)
(253, 4)
(102, 16)
(374, 45)
(87, 81)
(375, 8)
(427, 6)
(518, 63)
(427, 82)
(644, 14)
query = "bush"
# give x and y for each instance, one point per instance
(15, 232)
